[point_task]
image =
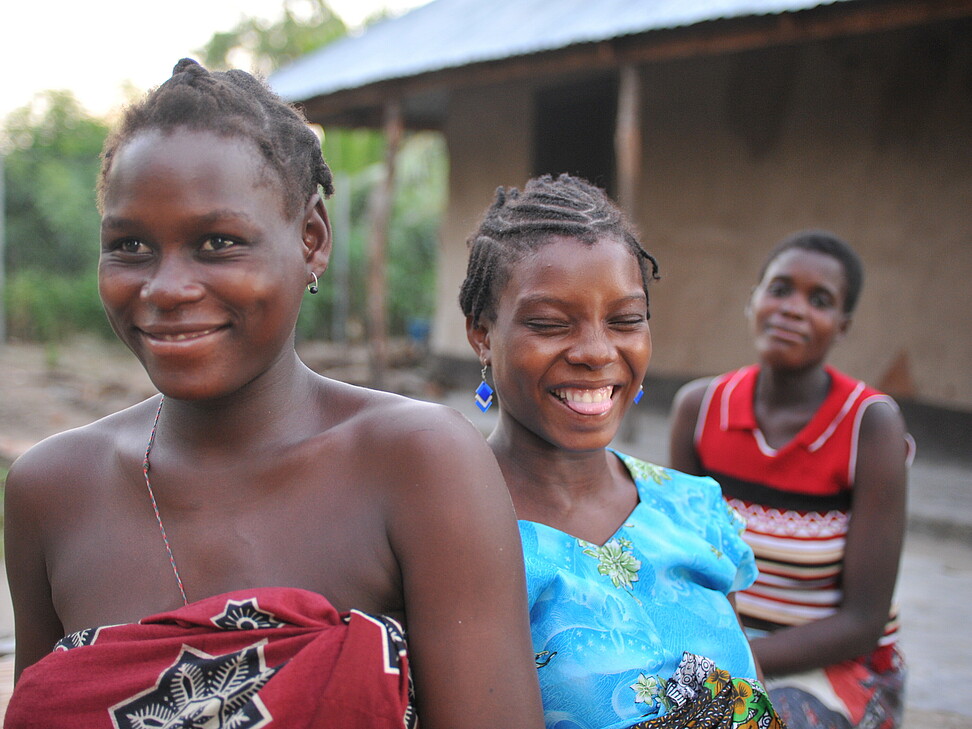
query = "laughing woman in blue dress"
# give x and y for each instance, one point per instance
(630, 566)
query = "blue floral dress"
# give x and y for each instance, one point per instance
(613, 623)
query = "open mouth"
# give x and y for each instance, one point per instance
(586, 401)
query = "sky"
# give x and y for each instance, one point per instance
(97, 48)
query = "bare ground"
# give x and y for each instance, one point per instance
(44, 390)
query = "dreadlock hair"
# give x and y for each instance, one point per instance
(825, 242)
(230, 104)
(518, 223)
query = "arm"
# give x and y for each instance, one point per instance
(759, 668)
(684, 416)
(871, 557)
(454, 532)
(37, 626)
(683, 457)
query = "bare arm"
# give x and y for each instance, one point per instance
(458, 546)
(684, 416)
(872, 554)
(37, 626)
(683, 456)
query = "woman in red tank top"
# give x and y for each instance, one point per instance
(816, 462)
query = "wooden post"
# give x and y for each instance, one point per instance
(3, 255)
(381, 209)
(339, 269)
(627, 139)
(627, 157)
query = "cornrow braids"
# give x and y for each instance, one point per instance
(232, 104)
(520, 222)
(829, 244)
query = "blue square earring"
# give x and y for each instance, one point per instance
(640, 394)
(484, 393)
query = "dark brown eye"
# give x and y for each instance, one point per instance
(130, 245)
(217, 243)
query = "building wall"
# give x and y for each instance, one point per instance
(870, 137)
(487, 132)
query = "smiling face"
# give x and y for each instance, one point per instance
(570, 343)
(797, 309)
(201, 270)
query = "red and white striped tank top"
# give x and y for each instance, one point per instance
(796, 500)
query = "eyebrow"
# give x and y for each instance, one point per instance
(638, 298)
(787, 278)
(210, 218)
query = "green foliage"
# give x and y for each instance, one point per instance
(50, 172)
(304, 26)
(45, 307)
(419, 196)
(3, 483)
(52, 228)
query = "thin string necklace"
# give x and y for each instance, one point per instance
(155, 506)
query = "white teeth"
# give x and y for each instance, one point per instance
(184, 336)
(587, 396)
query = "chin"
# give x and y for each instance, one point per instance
(582, 443)
(189, 389)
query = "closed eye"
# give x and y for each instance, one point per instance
(628, 322)
(546, 325)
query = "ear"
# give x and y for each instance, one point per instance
(748, 308)
(478, 336)
(844, 327)
(316, 235)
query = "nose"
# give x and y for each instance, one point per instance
(592, 348)
(795, 305)
(172, 282)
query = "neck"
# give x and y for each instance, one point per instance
(543, 474)
(265, 410)
(787, 388)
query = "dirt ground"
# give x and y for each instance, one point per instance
(44, 390)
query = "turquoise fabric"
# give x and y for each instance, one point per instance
(610, 623)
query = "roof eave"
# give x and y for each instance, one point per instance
(361, 106)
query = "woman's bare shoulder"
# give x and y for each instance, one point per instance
(73, 454)
(412, 443)
(691, 393)
(397, 419)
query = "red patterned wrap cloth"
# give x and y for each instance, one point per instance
(269, 657)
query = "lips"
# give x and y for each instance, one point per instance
(181, 337)
(586, 401)
(785, 334)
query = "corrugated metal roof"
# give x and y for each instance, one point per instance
(453, 33)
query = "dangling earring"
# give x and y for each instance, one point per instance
(640, 394)
(312, 286)
(484, 393)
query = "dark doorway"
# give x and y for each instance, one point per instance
(574, 131)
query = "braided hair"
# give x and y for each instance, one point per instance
(230, 104)
(825, 242)
(518, 223)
